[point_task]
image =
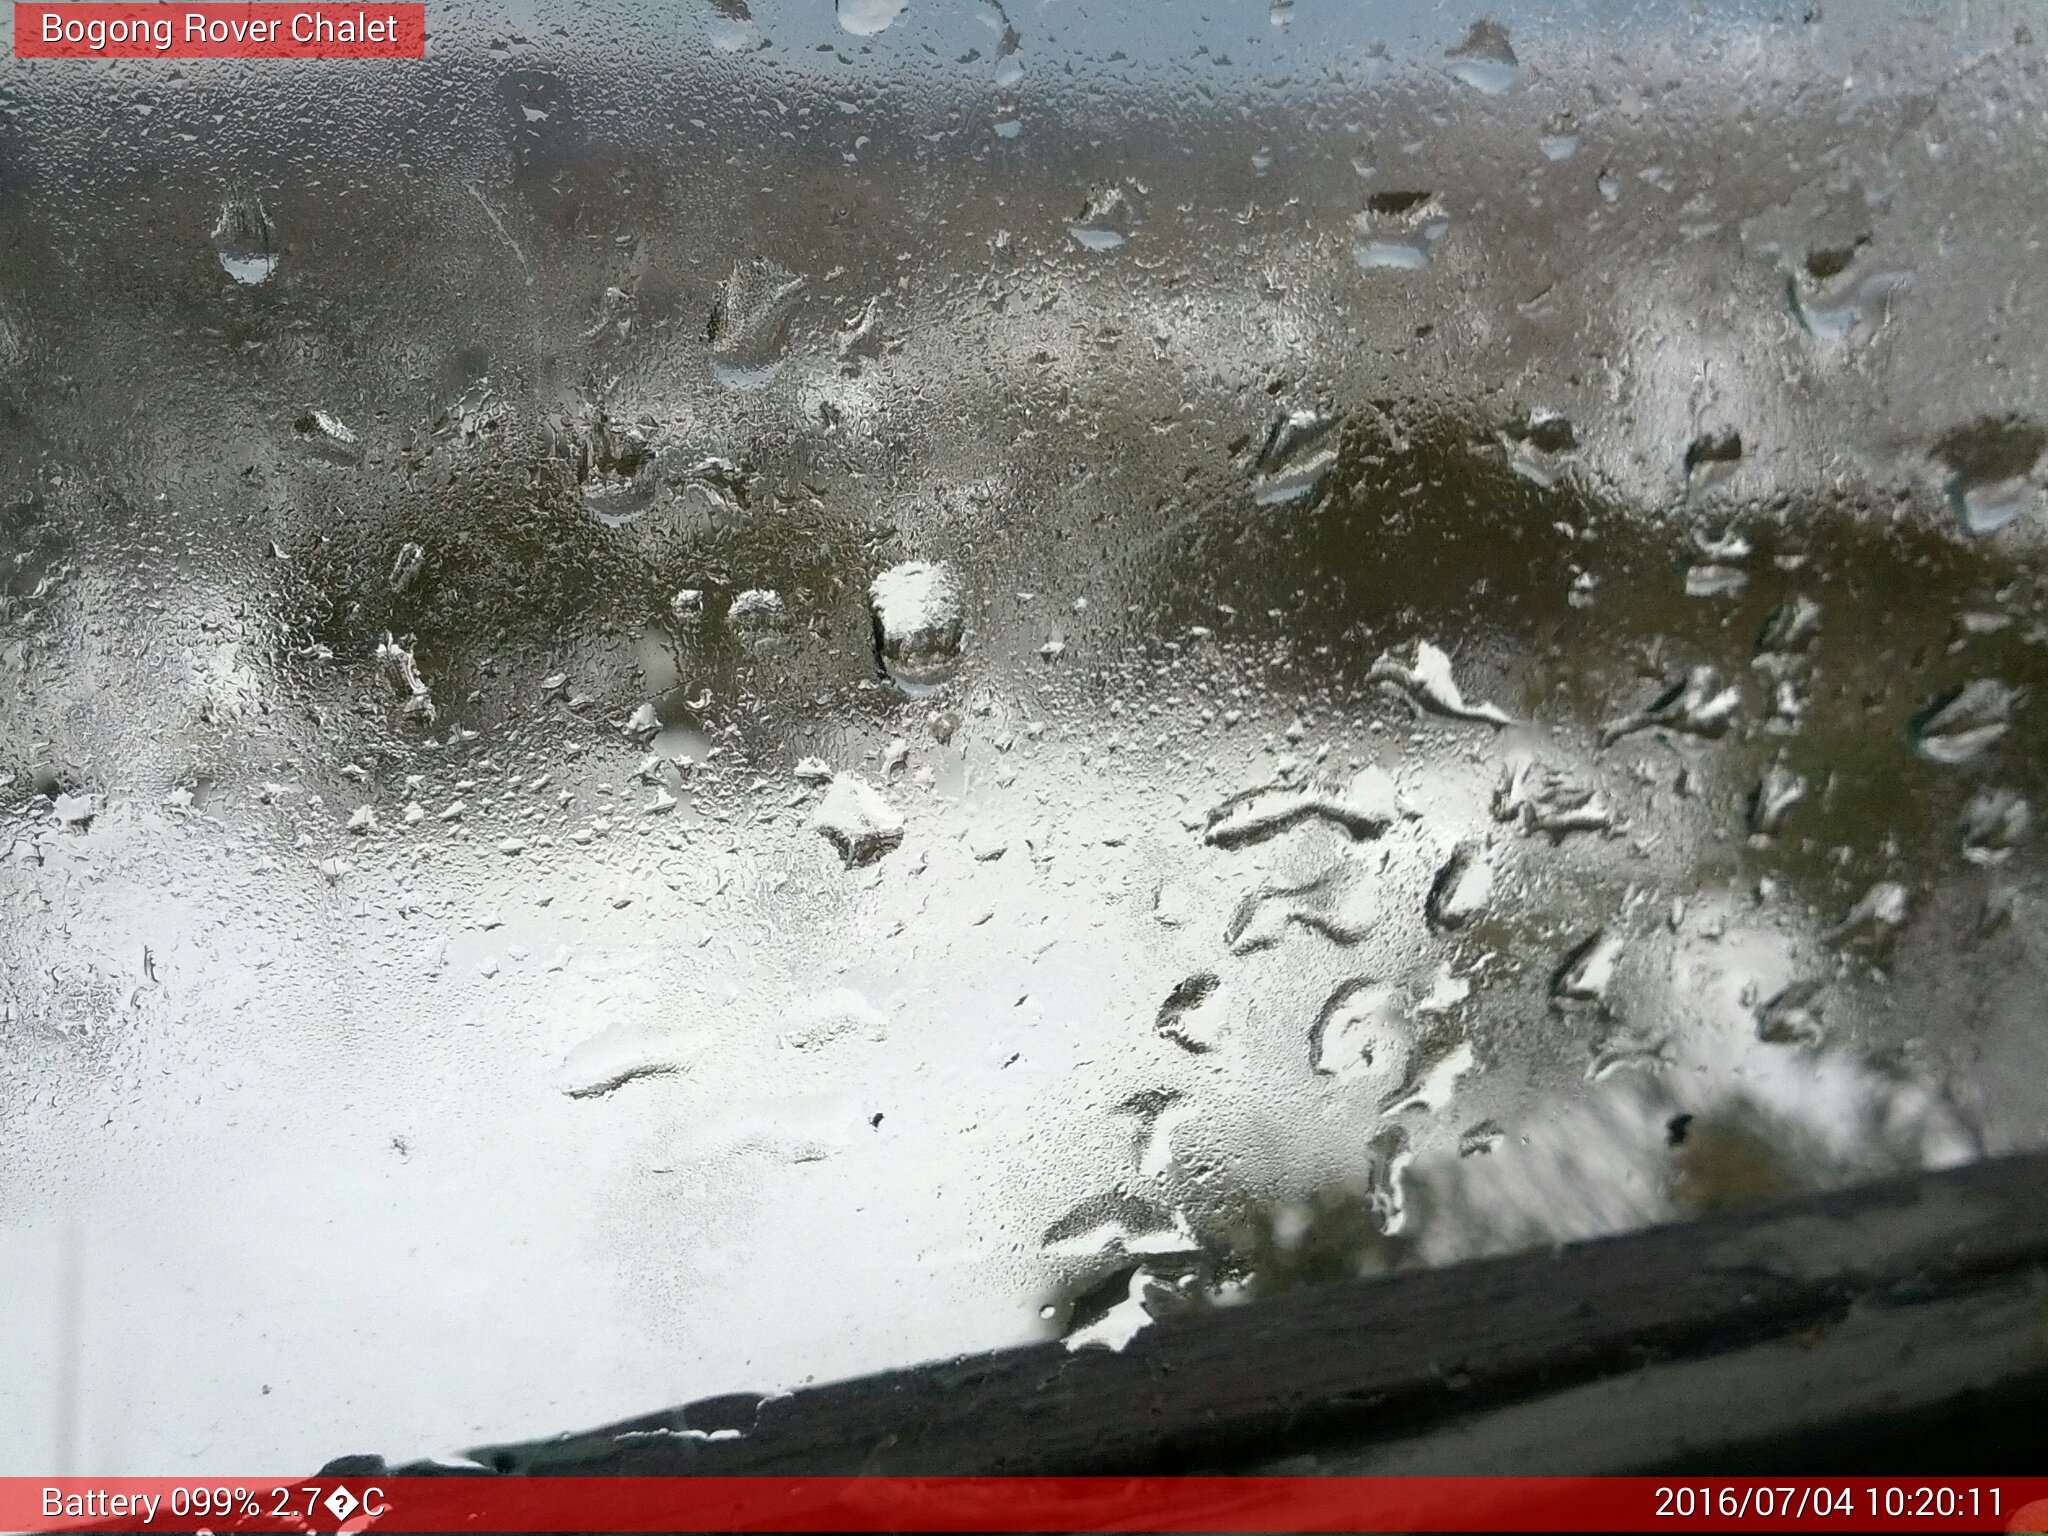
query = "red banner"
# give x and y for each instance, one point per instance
(489, 1504)
(163, 29)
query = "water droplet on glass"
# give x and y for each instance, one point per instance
(1709, 579)
(732, 29)
(987, 844)
(1119, 1317)
(749, 320)
(1433, 1078)
(327, 437)
(1697, 705)
(867, 18)
(1792, 624)
(719, 481)
(1994, 823)
(1996, 913)
(1588, 971)
(1121, 1224)
(1481, 1138)
(1297, 458)
(475, 416)
(1710, 459)
(1560, 139)
(402, 673)
(1363, 807)
(617, 309)
(1398, 230)
(919, 623)
(758, 611)
(245, 241)
(1834, 292)
(643, 725)
(1462, 888)
(1424, 675)
(1446, 991)
(1548, 800)
(1726, 549)
(1361, 1032)
(1791, 1016)
(1341, 904)
(1990, 464)
(1776, 793)
(613, 465)
(861, 340)
(1109, 217)
(1960, 724)
(617, 1055)
(1485, 60)
(857, 821)
(406, 566)
(830, 1017)
(1192, 1016)
(1629, 1049)
(75, 811)
(1540, 446)
(1879, 913)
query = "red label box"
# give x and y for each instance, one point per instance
(165, 29)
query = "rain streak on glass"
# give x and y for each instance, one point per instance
(245, 241)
